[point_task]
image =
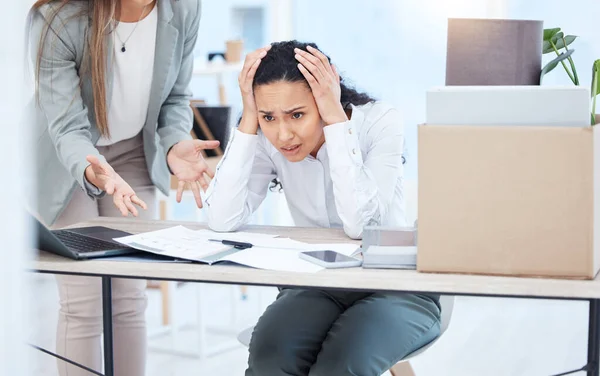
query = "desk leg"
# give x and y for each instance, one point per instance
(108, 330)
(594, 338)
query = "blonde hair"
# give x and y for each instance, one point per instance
(102, 13)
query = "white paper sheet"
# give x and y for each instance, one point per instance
(284, 260)
(268, 251)
(181, 242)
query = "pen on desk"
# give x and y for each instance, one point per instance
(238, 245)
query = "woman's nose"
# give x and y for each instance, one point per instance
(285, 133)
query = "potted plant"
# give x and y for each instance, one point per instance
(555, 41)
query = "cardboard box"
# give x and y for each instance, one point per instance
(509, 200)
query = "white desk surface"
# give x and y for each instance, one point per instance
(355, 278)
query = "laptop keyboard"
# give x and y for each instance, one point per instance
(83, 244)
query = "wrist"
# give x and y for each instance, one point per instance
(338, 117)
(88, 175)
(249, 123)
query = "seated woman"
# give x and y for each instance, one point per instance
(338, 156)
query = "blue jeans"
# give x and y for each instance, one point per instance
(331, 333)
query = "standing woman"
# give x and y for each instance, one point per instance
(113, 120)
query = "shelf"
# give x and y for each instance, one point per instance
(202, 68)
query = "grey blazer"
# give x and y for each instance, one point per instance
(65, 129)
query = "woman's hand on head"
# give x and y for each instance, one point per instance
(249, 123)
(324, 82)
(187, 164)
(103, 176)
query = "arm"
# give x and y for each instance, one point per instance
(240, 183)
(364, 188)
(59, 95)
(175, 117)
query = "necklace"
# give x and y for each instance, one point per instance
(123, 48)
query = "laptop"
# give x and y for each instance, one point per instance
(81, 243)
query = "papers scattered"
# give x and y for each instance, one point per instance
(268, 251)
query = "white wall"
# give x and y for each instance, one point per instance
(577, 17)
(13, 359)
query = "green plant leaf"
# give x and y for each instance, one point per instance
(557, 36)
(547, 45)
(549, 33)
(561, 42)
(596, 78)
(552, 64)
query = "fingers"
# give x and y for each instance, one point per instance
(180, 189)
(130, 207)
(195, 187)
(203, 183)
(252, 71)
(203, 145)
(139, 202)
(315, 70)
(251, 60)
(120, 204)
(335, 72)
(312, 82)
(322, 58)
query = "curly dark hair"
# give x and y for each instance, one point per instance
(280, 65)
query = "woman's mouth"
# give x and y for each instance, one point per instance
(290, 150)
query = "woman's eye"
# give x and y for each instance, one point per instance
(269, 118)
(297, 115)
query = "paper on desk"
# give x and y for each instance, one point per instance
(182, 242)
(284, 260)
(268, 251)
(283, 254)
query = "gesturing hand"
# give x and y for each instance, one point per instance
(324, 82)
(103, 176)
(187, 164)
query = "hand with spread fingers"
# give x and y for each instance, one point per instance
(324, 82)
(104, 177)
(187, 164)
(249, 122)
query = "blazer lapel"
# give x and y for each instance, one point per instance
(166, 40)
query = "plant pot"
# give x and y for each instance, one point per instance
(494, 52)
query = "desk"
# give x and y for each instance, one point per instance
(346, 279)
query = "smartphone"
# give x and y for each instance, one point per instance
(330, 259)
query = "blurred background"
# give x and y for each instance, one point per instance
(393, 49)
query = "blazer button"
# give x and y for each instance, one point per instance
(353, 151)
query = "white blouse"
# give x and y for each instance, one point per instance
(132, 78)
(356, 179)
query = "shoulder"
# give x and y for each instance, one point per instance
(66, 22)
(67, 15)
(377, 116)
(186, 13)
